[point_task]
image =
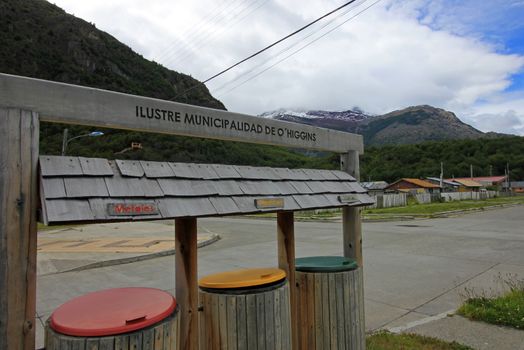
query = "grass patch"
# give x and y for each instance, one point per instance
(41, 227)
(390, 341)
(506, 310)
(433, 208)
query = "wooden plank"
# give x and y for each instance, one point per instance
(285, 313)
(119, 186)
(228, 188)
(131, 168)
(319, 326)
(286, 261)
(347, 309)
(325, 311)
(81, 187)
(339, 292)
(242, 340)
(135, 341)
(362, 323)
(215, 322)
(222, 318)
(157, 169)
(106, 343)
(94, 344)
(121, 342)
(310, 307)
(19, 131)
(186, 281)
(60, 166)
(301, 310)
(53, 187)
(192, 188)
(231, 305)
(332, 311)
(64, 103)
(251, 321)
(185, 207)
(226, 171)
(62, 210)
(95, 166)
(148, 339)
(354, 310)
(224, 205)
(352, 233)
(269, 312)
(261, 321)
(158, 337)
(278, 321)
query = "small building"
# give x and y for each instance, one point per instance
(468, 185)
(498, 182)
(413, 186)
(375, 187)
(447, 185)
(517, 186)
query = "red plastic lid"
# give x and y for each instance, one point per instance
(112, 311)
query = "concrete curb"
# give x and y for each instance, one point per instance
(215, 237)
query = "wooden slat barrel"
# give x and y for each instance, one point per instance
(115, 319)
(255, 315)
(330, 304)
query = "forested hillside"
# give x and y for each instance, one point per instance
(40, 40)
(390, 163)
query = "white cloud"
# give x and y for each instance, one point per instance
(382, 60)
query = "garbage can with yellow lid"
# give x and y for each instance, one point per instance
(119, 318)
(245, 309)
(330, 303)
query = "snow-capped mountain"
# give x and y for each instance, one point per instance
(354, 114)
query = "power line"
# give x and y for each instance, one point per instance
(234, 21)
(270, 46)
(300, 49)
(215, 16)
(284, 50)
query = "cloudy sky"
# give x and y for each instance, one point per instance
(466, 56)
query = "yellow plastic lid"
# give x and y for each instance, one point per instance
(242, 278)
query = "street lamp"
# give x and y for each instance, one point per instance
(65, 140)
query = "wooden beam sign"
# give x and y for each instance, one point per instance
(73, 104)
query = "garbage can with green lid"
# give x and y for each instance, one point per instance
(130, 318)
(245, 309)
(330, 303)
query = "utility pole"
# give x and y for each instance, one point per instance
(64, 141)
(471, 170)
(490, 170)
(441, 175)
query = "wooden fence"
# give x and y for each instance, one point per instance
(390, 200)
(461, 196)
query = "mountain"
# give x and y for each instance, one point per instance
(344, 121)
(40, 40)
(407, 126)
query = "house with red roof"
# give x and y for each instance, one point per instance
(412, 185)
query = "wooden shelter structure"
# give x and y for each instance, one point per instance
(74, 189)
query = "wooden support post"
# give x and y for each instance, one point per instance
(286, 261)
(186, 281)
(18, 195)
(352, 233)
(351, 221)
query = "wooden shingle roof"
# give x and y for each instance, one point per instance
(77, 189)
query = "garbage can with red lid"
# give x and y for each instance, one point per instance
(134, 318)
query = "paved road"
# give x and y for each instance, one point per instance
(413, 269)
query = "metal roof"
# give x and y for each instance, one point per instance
(78, 189)
(417, 182)
(468, 182)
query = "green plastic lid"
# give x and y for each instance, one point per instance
(325, 264)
